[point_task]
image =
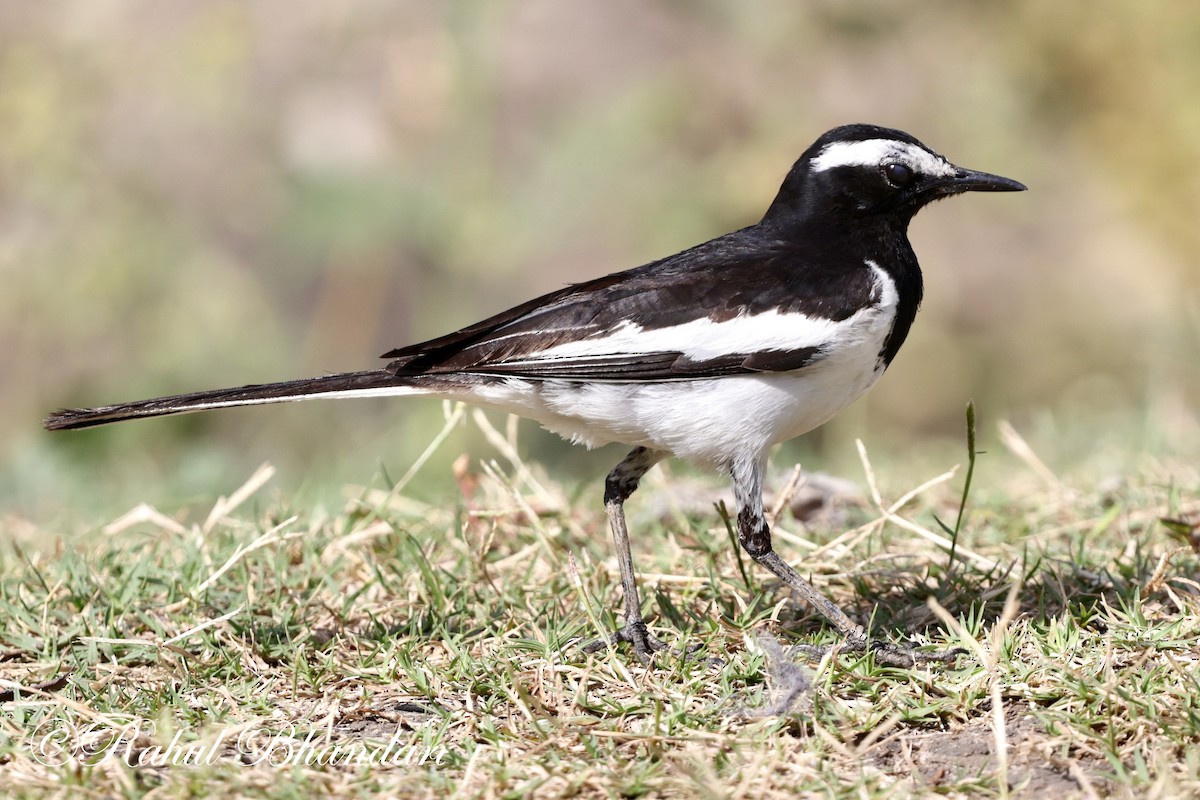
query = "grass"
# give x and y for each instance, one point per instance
(406, 649)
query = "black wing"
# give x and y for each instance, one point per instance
(697, 314)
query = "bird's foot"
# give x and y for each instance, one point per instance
(644, 645)
(892, 655)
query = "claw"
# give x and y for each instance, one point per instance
(892, 655)
(644, 645)
(897, 656)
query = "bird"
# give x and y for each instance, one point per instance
(712, 355)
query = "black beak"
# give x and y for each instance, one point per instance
(968, 180)
(927, 190)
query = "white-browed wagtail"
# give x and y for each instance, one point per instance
(712, 355)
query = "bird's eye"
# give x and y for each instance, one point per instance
(897, 174)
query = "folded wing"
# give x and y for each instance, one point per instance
(728, 307)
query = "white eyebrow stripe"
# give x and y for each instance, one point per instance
(874, 152)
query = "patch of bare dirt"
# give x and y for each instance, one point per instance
(934, 757)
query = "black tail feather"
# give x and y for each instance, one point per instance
(284, 391)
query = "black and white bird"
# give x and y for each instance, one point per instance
(712, 355)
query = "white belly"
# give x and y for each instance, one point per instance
(702, 421)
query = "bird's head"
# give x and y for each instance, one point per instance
(859, 171)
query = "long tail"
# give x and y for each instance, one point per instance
(347, 384)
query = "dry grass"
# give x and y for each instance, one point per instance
(261, 635)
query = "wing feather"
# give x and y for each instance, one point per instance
(740, 304)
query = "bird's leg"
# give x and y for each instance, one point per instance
(754, 535)
(620, 484)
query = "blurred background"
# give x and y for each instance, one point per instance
(202, 194)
